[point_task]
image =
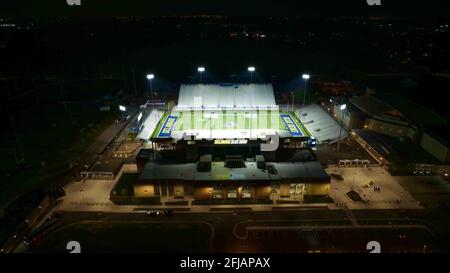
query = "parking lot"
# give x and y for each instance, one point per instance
(349, 149)
(365, 182)
(394, 240)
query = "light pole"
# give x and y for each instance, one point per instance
(342, 108)
(251, 69)
(293, 96)
(150, 77)
(122, 110)
(306, 78)
(200, 70)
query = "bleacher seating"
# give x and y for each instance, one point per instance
(226, 97)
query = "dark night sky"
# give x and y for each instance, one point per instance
(423, 9)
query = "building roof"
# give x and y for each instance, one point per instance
(375, 107)
(415, 112)
(307, 170)
(398, 108)
(188, 172)
(440, 133)
(396, 150)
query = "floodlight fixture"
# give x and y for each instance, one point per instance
(305, 77)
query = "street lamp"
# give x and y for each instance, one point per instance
(251, 69)
(150, 78)
(342, 108)
(306, 78)
(200, 70)
(123, 109)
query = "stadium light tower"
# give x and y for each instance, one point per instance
(200, 70)
(122, 110)
(306, 78)
(342, 108)
(150, 77)
(251, 69)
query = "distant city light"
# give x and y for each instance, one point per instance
(122, 108)
(343, 106)
(150, 76)
(305, 76)
(201, 69)
(251, 68)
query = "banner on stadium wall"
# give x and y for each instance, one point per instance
(291, 125)
(230, 141)
(166, 129)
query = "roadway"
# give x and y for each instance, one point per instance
(227, 224)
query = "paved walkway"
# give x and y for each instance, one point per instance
(390, 196)
(93, 195)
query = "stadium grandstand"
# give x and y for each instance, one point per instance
(320, 124)
(228, 111)
(226, 97)
(210, 147)
(150, 124)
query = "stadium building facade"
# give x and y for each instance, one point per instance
(209, 147)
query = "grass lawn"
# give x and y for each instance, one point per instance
(125, 185)
(231, 120)
(318, 199)
(177, 203)
(123, 192)
(51, 148)
(302, 222)
(133, 236)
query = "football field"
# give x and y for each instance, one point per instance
(230, 124)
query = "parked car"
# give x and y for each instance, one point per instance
(154, 213)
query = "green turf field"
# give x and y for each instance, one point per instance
(230, 120)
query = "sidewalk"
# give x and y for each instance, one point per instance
(94, 195)
(104, 141)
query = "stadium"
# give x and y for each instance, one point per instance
(235, 111)
(210, 146)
